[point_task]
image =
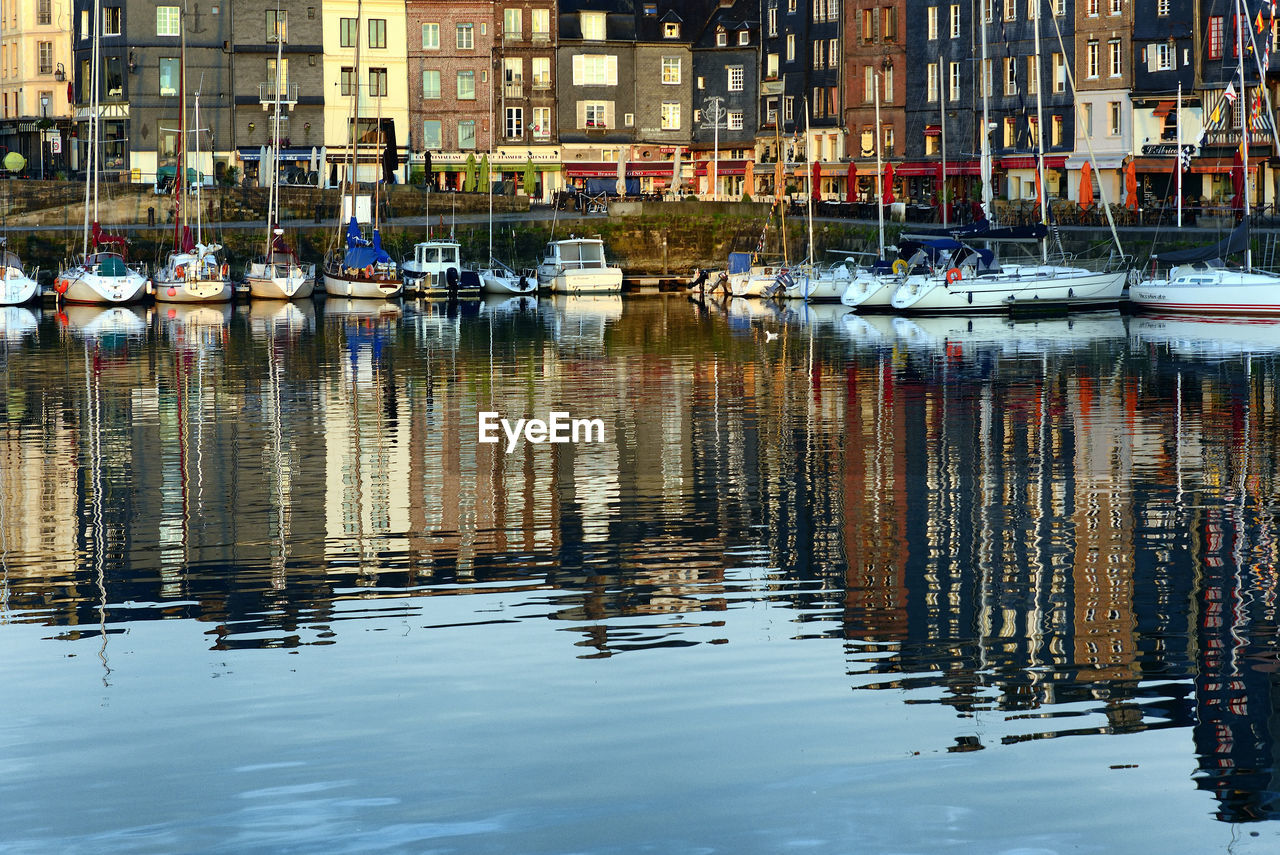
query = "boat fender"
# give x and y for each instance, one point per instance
(61, 285)
(899, 267)
(953, 275)
(173, 292)
(970, 296)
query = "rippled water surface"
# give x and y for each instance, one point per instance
(831, 583)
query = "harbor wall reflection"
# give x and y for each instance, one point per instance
(1063, 526)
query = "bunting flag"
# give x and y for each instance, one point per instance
(1258, 25)
(1230, 93)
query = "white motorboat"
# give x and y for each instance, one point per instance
(578, 266)
(436, 270)
(499, 279)
(16, 323)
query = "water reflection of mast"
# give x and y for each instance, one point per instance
(93, 394)
(278, 559)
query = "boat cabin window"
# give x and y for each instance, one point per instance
(570, 252)
(593, 252)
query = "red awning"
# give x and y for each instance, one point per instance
(930, 168)
(1057, 161)
(933, 130)
(607, 169)
(1163, 109)
(723, 167)
(1199, 165)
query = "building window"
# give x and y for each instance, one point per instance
(933, 82)
(955, 21)
(168, 76)
(431, 84)
(744, 37)
(1091, 60)
(430, 36)
(595, 70)
(1113, 120)
(44, 13)
(887, 76)
(1010, 76)
(594, 114)
(771, 67)
(671, 115)
(541, 67)
(671, 69)
(378, 82)
(886, 136)
(466, 85)
(1162, 8)
(1056, 139)
(889, 23)
(1010, 131)
(466, 36)
(932, 23)
(431, 134)
(773, 20)
(1032, 12)
(115, 77)
(1033, 76)
(1091, 8)
(44, 57)
(593, 26)
(541, 123)
(277, 26)
(1115, 7)
(284, 76)
(954, 88)
(347, 81)
(1215, 37)
(515, 123)
(512, 25)
(722, 38)
(791, 47)
(1161, 57)
(789, 108)
(735, 120)
(377, 32)
(1010, 11)
(1059, 74)
(112, 20)
(466, 134)
(1113, 51)
(167, 21)
(671, 30)
(348, 32)
(833, 53)
(737, 76)
(540, 24)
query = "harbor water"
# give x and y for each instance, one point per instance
(828, 583)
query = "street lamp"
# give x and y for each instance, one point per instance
(44, 131)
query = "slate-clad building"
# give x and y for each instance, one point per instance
(139, 92)
(726, 55)
(801, 69)
(294, 28)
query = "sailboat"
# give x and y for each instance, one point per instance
(194, 271)
(360, 267)
(496, 277)
(16, 285)
(964, 278)
(809, 281)
(101, 275)
(1198, 280)
(278, 275)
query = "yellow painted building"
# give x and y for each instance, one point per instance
(35, 51)
(381, 81)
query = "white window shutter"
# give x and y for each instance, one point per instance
(582, 113)
(578, 60)
(611, 72)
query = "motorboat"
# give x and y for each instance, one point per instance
(578, 266)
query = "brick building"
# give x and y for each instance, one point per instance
(875, 58)
(451, 70)
(525, 43)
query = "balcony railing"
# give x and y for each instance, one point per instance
(513, 90)
(541, 85)
(267, 94)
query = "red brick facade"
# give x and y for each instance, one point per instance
(451, 52)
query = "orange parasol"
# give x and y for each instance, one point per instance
(1131, 186)
(1086, 186)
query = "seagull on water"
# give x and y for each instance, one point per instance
(769, 335)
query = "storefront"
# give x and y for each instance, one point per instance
(1019, 177)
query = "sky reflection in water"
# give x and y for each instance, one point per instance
(842, 590)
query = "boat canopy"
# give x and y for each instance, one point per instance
(739, 262)
(1233, 244)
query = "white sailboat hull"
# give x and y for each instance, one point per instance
(17, 288)
(868, 290)
(293, 285)
(361, 288)
(820, 286)
(1022, 286)
(199, 290)
(600, 280)
(492, 282)
(79, 285)
(1214, 291)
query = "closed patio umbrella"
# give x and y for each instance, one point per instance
(817, 181)
(1086, 186)
(887, 197)
(1131, 186)
(749, 179)
(851, 182)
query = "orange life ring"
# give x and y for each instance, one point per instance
(953, 275)
(368, 271)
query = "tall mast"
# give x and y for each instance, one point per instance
(273, 192)
(808, 159)
(91, 166)
(942, 130)
(1044, 190)
(1244, 126)
(180, 182)
(984, 135)
(493, 121)
(1178, 162)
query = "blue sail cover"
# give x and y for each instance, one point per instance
(1234, 243)
(360, 253)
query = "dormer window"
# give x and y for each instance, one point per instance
(744, 37)
(593, 26)
(722, 38)
(671, 30)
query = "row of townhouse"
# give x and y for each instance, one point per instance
(699, 96)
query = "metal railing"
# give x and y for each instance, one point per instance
(267, 93)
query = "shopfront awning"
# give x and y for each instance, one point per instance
(723, 167)
(1057, 161)
(1163, 109)
(608, 169)
(917, 169)
(251, 154)
(1199, 165)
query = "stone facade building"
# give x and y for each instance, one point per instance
(35, 49)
